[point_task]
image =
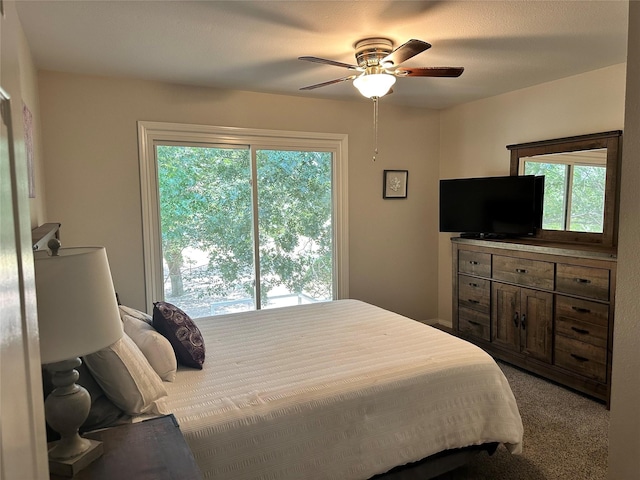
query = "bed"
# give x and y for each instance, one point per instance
(336, 390)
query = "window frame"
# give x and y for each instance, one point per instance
(152, 133)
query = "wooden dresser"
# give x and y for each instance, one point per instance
(547, 308)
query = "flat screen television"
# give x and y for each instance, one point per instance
(492, 206)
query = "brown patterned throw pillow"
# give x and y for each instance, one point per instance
(182, 333)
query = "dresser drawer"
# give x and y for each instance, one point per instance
(474, 293)
(474, 323)
(581, 357)
(584, 281)
(530, 273)
(475, 263)
(582, 320)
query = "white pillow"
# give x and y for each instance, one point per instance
(154, 346)
(126, 377)
(145, 317)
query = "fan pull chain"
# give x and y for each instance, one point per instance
(375, 127)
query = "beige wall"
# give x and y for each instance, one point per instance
(93, 189)
(474, 135)
(624, 433)
(97, 172)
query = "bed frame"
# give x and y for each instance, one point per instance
(42, 234)
(438, 464)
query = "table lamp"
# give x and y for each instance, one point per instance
(77, 315)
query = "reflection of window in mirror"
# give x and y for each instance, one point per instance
(574, 188)
(581, 185)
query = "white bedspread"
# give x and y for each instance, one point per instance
(338, 390)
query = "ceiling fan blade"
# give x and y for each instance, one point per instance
(404, 52)
(329, 62)
(429, 72)
(330, 82)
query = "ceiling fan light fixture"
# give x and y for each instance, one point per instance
(374, 84)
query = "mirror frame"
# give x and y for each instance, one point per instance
(612, 141)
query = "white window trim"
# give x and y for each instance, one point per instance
(150, 133)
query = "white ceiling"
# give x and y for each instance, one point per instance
(254, 45)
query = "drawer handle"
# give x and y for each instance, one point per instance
(521, 270)
(582, 280)
(579, 358)
(516, 320)
(473, 262)
(580, 309)
(581, 331)
(471, 300)
(474, 285)
(477, 324)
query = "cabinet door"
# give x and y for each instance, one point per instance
(536, 324)
(505, 315)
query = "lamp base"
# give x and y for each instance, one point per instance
(71, 466)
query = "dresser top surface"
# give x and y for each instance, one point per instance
(541, 246)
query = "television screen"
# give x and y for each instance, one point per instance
(499, 206)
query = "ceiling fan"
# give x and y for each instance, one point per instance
(379, 66)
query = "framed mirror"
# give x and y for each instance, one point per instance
(581, 185)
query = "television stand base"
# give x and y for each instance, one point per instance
(484, 236)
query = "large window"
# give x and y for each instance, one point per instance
(242, 219)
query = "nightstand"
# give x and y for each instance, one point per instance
(151, 450)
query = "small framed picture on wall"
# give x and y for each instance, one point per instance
(395, 184)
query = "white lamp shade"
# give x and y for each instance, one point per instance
(77, 307)
(374, 85)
